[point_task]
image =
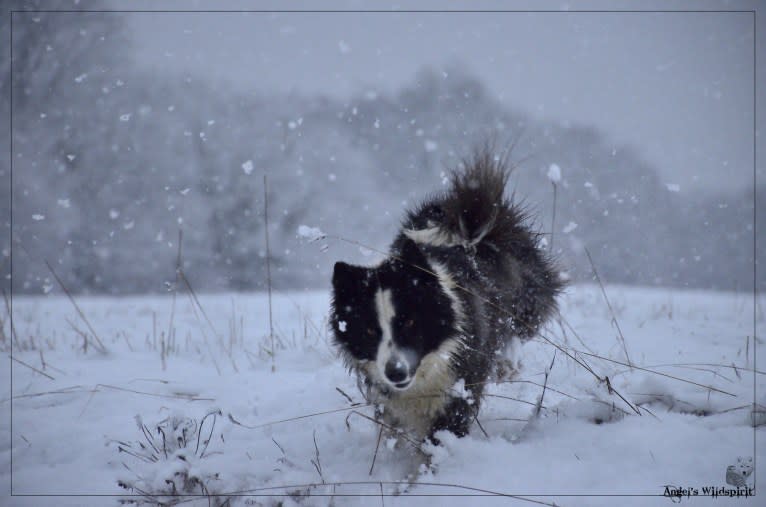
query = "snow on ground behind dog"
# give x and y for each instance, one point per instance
(75, 430)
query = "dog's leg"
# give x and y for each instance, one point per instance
(509, 363)
(456, 418)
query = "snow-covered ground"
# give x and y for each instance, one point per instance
(297, 430)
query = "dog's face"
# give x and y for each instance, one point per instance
(388, 318)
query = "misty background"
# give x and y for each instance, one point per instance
(128, 127)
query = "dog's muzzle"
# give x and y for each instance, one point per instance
(397, 373)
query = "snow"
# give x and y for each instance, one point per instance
(461, 391)
(37, 217)
(247, 167)
(68, 429)
(571, 226)
(673, 187)
(554, 173)
(310, 233)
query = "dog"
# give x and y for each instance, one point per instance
(465, 280)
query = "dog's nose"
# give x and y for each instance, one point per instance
(396, 370)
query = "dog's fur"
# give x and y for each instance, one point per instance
(464, 280)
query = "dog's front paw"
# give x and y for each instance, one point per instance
(508, 363)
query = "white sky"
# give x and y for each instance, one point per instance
(676, 86)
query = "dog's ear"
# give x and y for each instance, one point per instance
(411, 258)
(347, 278)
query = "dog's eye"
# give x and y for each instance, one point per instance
(371, 331)
(409, 323)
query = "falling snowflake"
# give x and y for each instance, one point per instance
(569, 228)
(310, 233)
(248, 167)
(554, 173)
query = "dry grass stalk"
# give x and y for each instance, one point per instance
(291, 419)
(375, 454)
(316, 460)
(31, 368)
(545, 385)
(611, 310)
(553, 218)
(268, 267)
(127, 342)
(396, 431)
(10, 319)
(98, 345)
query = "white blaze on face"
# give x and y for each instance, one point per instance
(386, 313)
(385, 309)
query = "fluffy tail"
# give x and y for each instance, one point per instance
(476, 199)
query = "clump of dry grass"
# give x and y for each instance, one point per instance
(165, 463)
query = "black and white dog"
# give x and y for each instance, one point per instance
(426, 329)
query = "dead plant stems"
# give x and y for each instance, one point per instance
(31, 367)
(10, 319)
(611, 310)
(98, 345)
(268, 267)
